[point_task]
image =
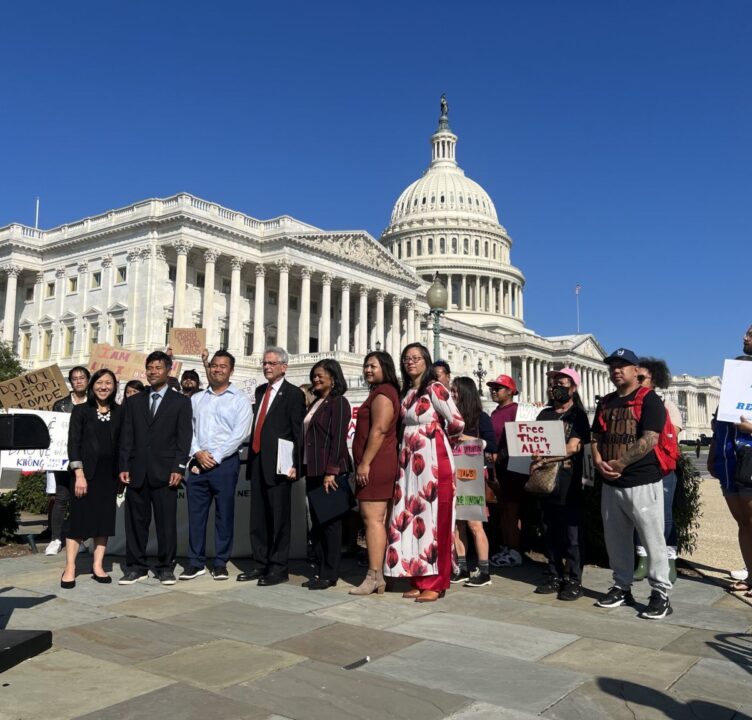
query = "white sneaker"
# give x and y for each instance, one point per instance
(511, 559)
(53, 548)
(739, 574)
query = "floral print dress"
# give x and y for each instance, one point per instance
(431, 423)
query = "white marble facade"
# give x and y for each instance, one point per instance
(126, 276)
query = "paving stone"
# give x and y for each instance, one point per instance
(735, 647)
(93, 593)
(696, 592)
(178, 701)
(602, 625)
(287, 596)
(220, 663)
(54, 615)
(316, 691)
(247, 623)
(485, 711)
(154, 607)
(718, 680)
(709, 618)
(378, 612)
(340, 644)
(654, 668)
(128, 640)
(512, 683)
(734, 601)
(63, 684)
(525, 643)
(477, 603)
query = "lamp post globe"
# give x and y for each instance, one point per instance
(437, 297)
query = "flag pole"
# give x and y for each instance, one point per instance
(577, 289)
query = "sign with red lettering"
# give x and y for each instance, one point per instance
(126, 364)
(535, 437)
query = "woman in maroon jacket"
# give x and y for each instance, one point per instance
(327, 465)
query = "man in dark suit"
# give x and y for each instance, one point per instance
(155, 443)
(279, 413)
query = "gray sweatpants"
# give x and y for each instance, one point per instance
(623, 509)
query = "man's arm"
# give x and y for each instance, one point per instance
(243, 415)
(636, 451)
(184, 436)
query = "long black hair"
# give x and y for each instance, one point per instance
(429, 374)
(334, 370)
(387, 367)
(91, 398)
(468, 402)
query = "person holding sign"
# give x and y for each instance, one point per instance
(422, 518)
(562, 510)
(93, 437)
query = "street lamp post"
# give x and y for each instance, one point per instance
(480, 373)
(437, 297)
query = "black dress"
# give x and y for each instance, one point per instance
(93, 515)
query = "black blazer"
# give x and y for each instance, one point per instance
(284, 421)
(153, 448)
(326, 439)
(82, 437)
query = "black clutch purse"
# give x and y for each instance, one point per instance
(330, 505)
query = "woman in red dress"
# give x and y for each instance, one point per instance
(376, 467)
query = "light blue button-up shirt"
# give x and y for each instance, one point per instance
(160, 393)
(221, 422)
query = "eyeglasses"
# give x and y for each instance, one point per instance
(413, 360)
(271, 362)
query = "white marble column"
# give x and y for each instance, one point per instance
(450, 299)
(325, 338)
(283, 302)
(81, 347)
(9, 317)
(178, 307)
(521, 313)
(207, 310)
(134, 310)
(344, 323)
(235, 334)
(393, 346)
(362, 344)
(477, 294)
(105, 326)
(412, 335)
(380, 319)
(530, 381)
(259, 331)
(304, 326)
(463, 299)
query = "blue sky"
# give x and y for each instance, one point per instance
(614, 138)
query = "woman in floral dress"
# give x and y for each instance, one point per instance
(422, 519)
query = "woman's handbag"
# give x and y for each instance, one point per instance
(543, 477)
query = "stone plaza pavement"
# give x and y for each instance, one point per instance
(221, 650)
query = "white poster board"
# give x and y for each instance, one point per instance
(470, 500)
(538, 437)
(527, 411)
(736, 391)
(54, 458)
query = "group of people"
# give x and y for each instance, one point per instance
(400, 472)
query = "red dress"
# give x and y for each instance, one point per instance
(385, 465)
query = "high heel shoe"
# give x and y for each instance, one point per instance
(429, 596)
(373, 583)
(67, 584)
(411, 594)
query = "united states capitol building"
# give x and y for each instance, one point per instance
(127, 276)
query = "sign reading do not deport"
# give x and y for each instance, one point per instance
(36, 390)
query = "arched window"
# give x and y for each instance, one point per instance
(477, 246)
(442, 245)
(408, 249)
(494, 251)
(423, 202)
(418, 247)
(430, 246)
(485, 249)
(466, 245)
(454, 245)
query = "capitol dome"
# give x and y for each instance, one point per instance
(447, 223)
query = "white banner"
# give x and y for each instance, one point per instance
(537, 437)
(54, 458)
(470, 500)
(736, 391)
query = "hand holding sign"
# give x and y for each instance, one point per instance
(187, 341)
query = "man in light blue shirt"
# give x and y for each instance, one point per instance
(222, 417)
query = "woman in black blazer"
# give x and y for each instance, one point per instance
(92, 455)
(326, 463)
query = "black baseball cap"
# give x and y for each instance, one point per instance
(622, 355)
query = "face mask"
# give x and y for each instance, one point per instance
(560, 394)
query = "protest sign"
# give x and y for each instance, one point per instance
(187, 341)
(36, 390)
(126, 364)
(469, 463)
(736, 391)
(527, 411)
(55, 457)
(537, 437)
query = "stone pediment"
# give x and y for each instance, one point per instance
(68, 317)
(358, 249)
(591, 348)
(117, 308)
(92, 312)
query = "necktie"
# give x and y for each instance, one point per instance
(256, 446)
(154, 401)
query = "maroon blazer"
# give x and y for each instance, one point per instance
(326, 439)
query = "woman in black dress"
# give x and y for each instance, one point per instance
(92, 454)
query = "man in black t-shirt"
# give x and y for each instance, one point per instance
(625, 460)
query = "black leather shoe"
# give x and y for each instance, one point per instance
(272, 579)
(321, 584)
(67, 584)
(104, 579)
(254, 574)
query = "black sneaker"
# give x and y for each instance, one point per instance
(615, 597)
(133, 576)
(192, 571)
(551, 586)
(459, 577)
(478, 579)
(570, 590)
(219, 572)
(657, 608)
(166, 577)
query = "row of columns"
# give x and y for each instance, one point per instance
(594, 382)
(487, 294)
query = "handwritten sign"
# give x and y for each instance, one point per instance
(187, 341)
(736, 391)
(536, 437)
(527, 411)
(36, 390)
(470, 500)
(55, 457)
(126, 364)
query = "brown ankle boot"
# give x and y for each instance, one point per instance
(374, 582)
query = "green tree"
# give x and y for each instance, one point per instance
(9, 365)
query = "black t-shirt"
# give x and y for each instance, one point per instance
(623, 430)
(569, 478)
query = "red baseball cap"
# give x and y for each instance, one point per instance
(504, 381)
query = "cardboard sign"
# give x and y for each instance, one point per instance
(527, 411)
(469, 461)
(536, 437)
(126, 364)
(736, 391)
(55, 457)
(187, 341)
(36, 390)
